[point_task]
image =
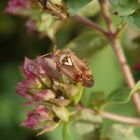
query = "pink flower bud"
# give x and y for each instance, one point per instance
(44, 119)
(28, 87)
(15, 5)
(29, 68)
(44, 95)
(33, 67)
(35, 117)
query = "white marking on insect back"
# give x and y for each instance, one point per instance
(64, 59)
(68, 62)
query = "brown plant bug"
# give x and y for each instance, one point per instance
(70, 65)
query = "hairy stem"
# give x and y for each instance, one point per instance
(120, 118)
(90, 24)
(126, 71)
(116, 117)
(119, 52)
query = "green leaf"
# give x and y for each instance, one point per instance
(66, 132)
(55, 134)
(89, 121)
(77, 91)
(123, 95)
(120, 96)
(134, 20)
(74, 92)
(124, 7)
(48, 25)
(121, 132)
(97, 100)
(50, 126)
(61, 113)
(136, 88)
(90, 9)
(75, 5)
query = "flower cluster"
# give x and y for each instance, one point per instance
(53, 82)
(41, 14)
(57, 9)
(15, 6)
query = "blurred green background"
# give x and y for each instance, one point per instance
(16, 43)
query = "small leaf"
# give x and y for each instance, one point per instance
(90, 9)
(61, 113)
(97, 100)
(46, 25)
(134, 20)
(88, 121)
(136, 88)
(120, 96)
(121, 132)
(74, 92)
(124, 7)
(75, 5)
(123, 95)
(49, 127)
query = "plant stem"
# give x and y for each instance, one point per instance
(120, 118)
(121, 27)
(119, 52)
(126, 71)
(106, 15)
(90, 24)
(115, 117)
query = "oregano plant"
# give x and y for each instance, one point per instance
(84, 86)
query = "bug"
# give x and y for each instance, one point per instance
(70, 65)
(59, 11)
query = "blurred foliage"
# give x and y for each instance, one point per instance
(124, 8)
(16, 43)
(119, 131)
